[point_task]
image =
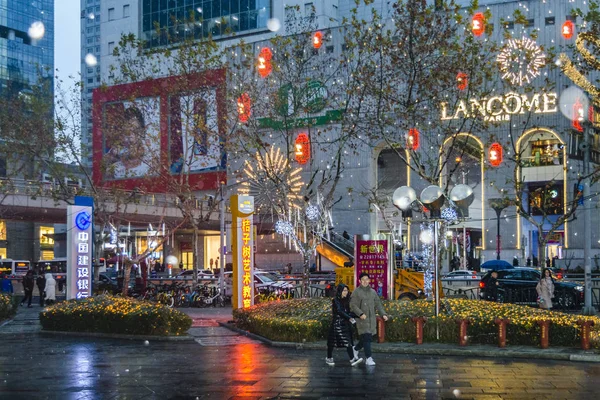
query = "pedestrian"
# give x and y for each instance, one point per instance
(340, 332)
(345, 235)
(7, 286)
(363, 303)
(492, 287)
(535, 262)
(515, 261)
(529, 261)
(50, 289)
(28, 284)
(545, 289)
(41, 284)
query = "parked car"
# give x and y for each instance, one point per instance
(461, 274)
(264, 281)
(517, 285)
(189, 274)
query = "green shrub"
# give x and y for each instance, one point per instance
(309, 319)
(109, 314)
(8, 307)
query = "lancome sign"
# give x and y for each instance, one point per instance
(501, 108)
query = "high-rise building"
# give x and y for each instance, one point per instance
(26, 44)
(90, 69)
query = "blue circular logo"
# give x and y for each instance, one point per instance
(83, 220)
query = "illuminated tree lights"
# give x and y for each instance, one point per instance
(495, 154)
(317, 40)
(412, 139)
(568, 29)
(272, 181)
(312, 212)
(478, 24)
(521, 60)
(302, 148)
(244, 105)
(284, 227)
(263, 64)
(574, 74)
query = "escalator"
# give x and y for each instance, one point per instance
(336, 249)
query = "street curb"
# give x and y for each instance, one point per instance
(428, 351)
(119, 336)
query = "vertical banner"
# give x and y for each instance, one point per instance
(371, 256)
(79, 252)
(242, 246)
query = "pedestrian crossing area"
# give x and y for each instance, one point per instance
(206, 333)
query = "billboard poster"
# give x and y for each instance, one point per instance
(79, 252)
(242, 243)
(131, 138)
(371, 256)
(195, 143)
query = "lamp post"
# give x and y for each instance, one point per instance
(433, 198)
(498, 204)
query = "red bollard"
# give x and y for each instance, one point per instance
(462, 331)
(380, 330)
(544, 333)
(585, 333)
(502, 322)
(419, 322)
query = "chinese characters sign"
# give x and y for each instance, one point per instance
(79, 252)
(242, 209)
(372, 257)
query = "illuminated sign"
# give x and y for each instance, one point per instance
(371, 256)
(79, 252)
(521, 60)
(242, 210)
(500, 108)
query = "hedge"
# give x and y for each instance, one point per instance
(8, 307)
(108, 314)
(309, 320)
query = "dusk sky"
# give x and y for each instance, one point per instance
(67, 37)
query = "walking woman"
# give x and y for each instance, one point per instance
(340, 333)
(545, 289)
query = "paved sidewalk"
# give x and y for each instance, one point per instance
(26, 321)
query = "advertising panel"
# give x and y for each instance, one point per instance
(242, 210)
(79, 252)
(372, 257)
(145, 132)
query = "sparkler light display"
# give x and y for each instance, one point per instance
(521, 60)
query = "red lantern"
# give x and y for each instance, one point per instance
(577, 116)
(568, 29)
(462, 80)
(302, 148)
(244, 105)
(412, 140)
(478, 24)
(495, 154)
(264, 62)
(317, 40)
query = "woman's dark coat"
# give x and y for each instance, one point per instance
(340, 333)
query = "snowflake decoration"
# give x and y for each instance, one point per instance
(521, 60)
(449, 215)
(312, 212)
(284, 227)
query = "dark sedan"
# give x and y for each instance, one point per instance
(517, 285)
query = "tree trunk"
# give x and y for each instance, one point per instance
(127, 264)
(306, 274)
(542, 241)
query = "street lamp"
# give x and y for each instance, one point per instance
(433, 198)
(498, 204)
(462, 196)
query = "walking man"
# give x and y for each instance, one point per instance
(363, 302)
(28, 284)
(41, 284)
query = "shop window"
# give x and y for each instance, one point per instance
(3, 230)
(3, 252)
(544, 152)
(46, 235)
(546, 199)
(47, 255)
(187, 259)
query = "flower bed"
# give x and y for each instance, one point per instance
(7, 307)
(309, 319)
(108, 314)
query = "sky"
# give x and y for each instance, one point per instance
(67, 37)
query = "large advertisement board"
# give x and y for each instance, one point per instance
(242, 245)
(146, 131)
(79, 252)
(371, 256)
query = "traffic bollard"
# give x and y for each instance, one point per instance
(544, 333)
(585, 332)
(380, 330)
(419, 322)
(502, 322)
(462, 331)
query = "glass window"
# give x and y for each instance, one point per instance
(111, 14)
(546, 199)
(46, 235)
(111, 47)
(3, 231)
(126, 11)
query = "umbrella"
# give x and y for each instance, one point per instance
(495, 265)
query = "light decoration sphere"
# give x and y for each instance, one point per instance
(317, 40)
(284, 227)
(495, 154)
(302, 145)
(36, 30)
(312, 212)
(171, 260)
(568, 29)
(412, 139)
(449, 215)
(521, 60)
(573, 103)
(478, 24)
(426, 236)
(263, 63)
(273, 24)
